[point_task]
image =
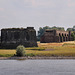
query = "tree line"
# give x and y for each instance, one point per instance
(42, 30)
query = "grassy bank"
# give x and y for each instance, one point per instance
(45, 49)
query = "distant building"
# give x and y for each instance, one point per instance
(12, 37)
(55, 36)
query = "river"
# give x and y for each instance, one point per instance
(37, 67)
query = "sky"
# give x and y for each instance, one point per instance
(37, 13)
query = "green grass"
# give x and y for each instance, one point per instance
(58, 51)
(6, 55)
(7, 52)
(36, 48)
(65, 49)
(68, 44)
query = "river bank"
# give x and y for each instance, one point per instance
(65, 50)
(32, 58)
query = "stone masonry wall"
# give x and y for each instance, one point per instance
(55, 36)
(11, 38)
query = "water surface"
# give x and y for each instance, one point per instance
(37, 67)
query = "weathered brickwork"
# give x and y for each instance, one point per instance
(55, 36)
(12, 37)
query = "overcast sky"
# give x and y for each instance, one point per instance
(37, 13)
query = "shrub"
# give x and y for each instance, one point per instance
(20, 51)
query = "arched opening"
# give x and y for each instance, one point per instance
(64, 37)
(60, 38)
(27, 37)
(67, 37)
(16, 35)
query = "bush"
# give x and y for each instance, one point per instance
(20, 51)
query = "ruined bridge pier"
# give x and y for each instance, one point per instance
(12, 37)
(55, 36)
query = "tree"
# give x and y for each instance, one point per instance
(20, 51)
(74, 28)
(69, 29)
(73, 35)
(72, 31)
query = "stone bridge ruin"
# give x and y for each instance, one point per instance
(55, 36)
(12, 37)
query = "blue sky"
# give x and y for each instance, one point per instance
(37, 13)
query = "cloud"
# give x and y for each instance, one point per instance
(37, 13)
(71, 3)
(38, 3)
(1, 9)
(30, 2)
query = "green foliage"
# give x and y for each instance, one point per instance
(71, 29)
(73, 35)
(6, 55)
(74, 28)
(58, 28)
(20, 51)
(36, 48)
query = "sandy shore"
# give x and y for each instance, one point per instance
(26, 58)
